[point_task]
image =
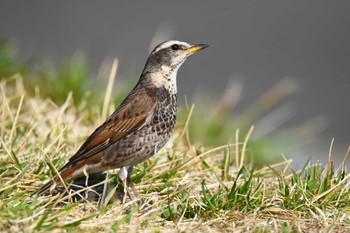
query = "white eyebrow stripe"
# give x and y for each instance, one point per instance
(168, 43)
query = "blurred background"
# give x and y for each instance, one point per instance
(282, 66)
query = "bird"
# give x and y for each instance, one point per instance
(139, 127)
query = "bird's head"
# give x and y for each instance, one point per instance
(166, 58)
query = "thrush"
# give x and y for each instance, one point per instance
(140, 126)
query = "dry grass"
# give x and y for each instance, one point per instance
(183, 188)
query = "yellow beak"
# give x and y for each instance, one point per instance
(196, 48)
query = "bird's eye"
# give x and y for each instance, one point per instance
(175, 47)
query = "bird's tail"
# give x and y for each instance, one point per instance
(57, 180)
(46, 187)
(65, 175)
(69, 172)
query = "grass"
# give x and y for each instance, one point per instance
(187, 186)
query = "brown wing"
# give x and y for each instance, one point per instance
(131, 115)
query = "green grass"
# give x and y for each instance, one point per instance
(187, 186)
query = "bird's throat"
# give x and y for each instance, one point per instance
(166, 78)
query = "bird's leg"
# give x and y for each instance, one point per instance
(128, 178)
(122, 175)
(86, 182)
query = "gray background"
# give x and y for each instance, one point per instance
(259, 41)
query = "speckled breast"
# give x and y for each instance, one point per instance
(144, 143)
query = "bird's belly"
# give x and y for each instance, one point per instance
(138, 146)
